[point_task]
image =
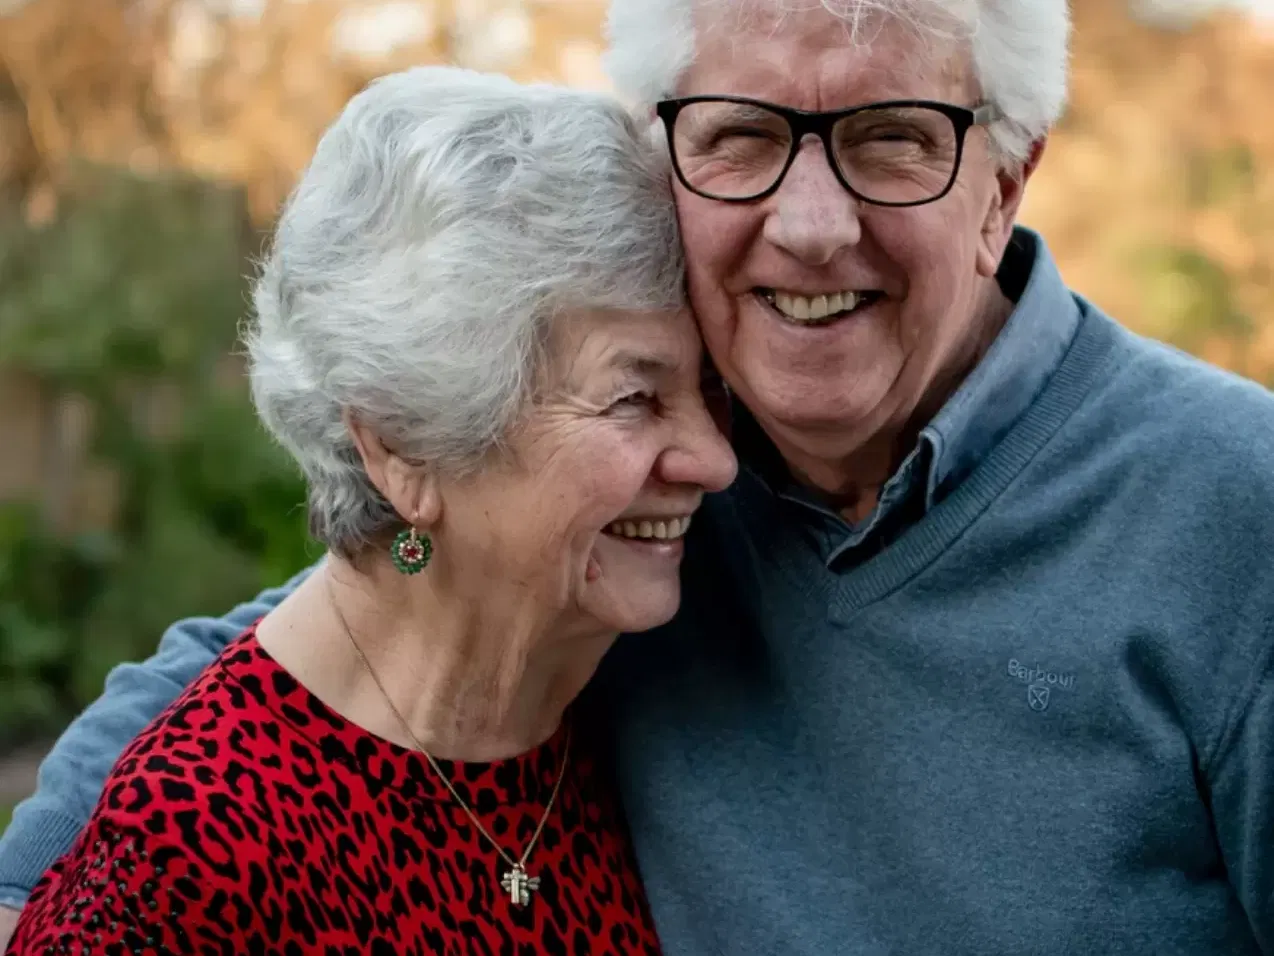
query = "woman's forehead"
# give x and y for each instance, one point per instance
(648, 344)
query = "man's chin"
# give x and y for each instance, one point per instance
(815, 415)
(821, 396)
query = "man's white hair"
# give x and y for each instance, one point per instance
(446, 220)
(1018, 49)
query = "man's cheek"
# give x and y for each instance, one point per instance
(717, 398)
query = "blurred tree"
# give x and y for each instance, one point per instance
(126, 306)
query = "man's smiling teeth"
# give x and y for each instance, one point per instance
(812, 308)
(651, 530)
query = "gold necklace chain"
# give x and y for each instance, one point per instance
(516, 882)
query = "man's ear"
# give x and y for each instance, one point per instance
(1013, 180)
(410, 488)
(1003, 209)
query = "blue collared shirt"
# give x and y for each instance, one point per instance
(1002, 386)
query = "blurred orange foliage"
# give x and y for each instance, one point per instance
(1157, 190)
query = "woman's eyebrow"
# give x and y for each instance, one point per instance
(644, 364)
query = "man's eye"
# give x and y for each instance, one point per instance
(744, 132)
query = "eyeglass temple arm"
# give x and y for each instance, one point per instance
(986, 114)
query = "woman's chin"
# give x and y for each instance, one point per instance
(655, 613)
(634, 585)
(635, 606)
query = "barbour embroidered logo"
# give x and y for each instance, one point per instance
(1040, 683)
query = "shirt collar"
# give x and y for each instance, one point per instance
(996, 393)
(1014, 370)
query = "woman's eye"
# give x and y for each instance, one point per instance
(635, 400)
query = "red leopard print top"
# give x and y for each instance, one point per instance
(252, 819)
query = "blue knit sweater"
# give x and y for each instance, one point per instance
(1039, 721)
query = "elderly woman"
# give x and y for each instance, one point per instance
(470, 335)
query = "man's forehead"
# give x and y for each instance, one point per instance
(843, 62)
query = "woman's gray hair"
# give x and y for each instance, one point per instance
(446, 219)
(1018, 49)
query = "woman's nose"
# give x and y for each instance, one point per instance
(701, 457)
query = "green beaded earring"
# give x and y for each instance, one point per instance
(411, 552)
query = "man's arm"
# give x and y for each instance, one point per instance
(1240, 775)
(71, 777)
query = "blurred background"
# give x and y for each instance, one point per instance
(146, 144)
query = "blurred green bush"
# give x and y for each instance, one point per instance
(128, 302)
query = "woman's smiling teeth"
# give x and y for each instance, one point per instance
(818, 308)
(653, 530)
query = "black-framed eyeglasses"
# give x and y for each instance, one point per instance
(895, 153)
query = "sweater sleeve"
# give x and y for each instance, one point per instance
(1240, 777)
(122, 890)
(72, 775)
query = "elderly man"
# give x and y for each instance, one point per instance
(977, 654)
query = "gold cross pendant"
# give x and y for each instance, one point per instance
(519, 886)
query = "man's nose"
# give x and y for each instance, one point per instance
(812, 217)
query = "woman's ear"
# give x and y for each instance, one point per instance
(410, 487)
